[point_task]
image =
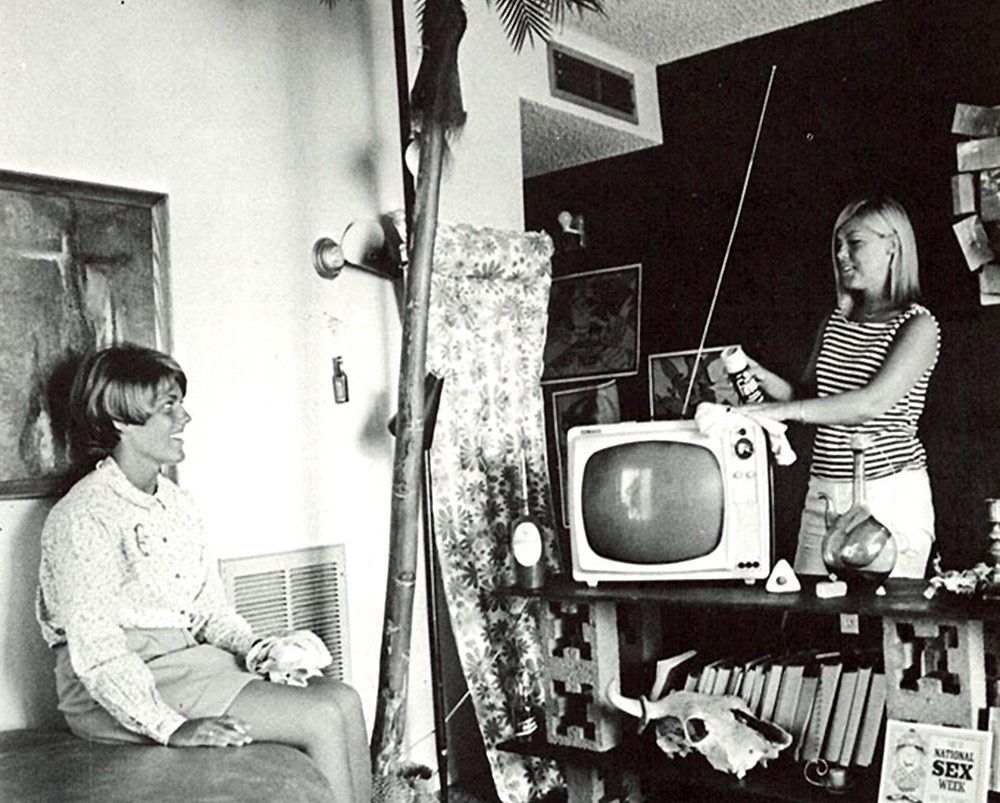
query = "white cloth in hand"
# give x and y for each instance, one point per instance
(290, 659)
(710, 415)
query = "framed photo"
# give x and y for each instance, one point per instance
(935, 764)
(596, 404)
(82, 266)
(673, 394)
(593, 329)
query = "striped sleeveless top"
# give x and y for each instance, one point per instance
(851, 353)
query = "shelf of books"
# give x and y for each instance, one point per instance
(906, 714)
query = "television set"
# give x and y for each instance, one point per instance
(662, 500)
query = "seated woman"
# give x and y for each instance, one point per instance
(147, 648)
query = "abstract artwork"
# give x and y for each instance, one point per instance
(595, 404)
(82, 266)
(673, 394)
(593, 328)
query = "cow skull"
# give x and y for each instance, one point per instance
(720, 727)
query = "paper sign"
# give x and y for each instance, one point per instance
(935, 764)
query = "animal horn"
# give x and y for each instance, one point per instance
(644, 709)
(632, 707)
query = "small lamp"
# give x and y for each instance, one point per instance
(373, 245)
(571, 226)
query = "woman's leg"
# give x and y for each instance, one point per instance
(903, 503)
(325, 719)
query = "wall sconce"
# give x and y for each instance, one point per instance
(571, 235)
(372, 245)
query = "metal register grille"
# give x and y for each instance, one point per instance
(303, 589)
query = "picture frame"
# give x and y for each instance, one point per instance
(82, 266)
(671, 396)
(594, 324)
(594, 404)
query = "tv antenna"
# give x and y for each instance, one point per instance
(729, 245)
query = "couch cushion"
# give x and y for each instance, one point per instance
(55, 766)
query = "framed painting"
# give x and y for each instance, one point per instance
(82, 266)
(595, 404)
(680, 380)
(593, 329)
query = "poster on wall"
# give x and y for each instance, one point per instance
(596, 404)
(593, 329)
(82, 266)
(677, 385)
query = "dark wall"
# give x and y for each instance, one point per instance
(861, 102)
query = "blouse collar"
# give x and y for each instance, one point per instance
(112, 473)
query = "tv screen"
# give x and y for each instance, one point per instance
(630, 489)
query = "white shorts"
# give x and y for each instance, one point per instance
(902, 502)
(196, 680)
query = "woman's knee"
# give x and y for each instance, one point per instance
(334, 706)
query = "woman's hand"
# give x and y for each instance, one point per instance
(224, 731)
(774, 386)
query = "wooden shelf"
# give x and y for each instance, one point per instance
(902, 598)
(781, 780)
(692, 778)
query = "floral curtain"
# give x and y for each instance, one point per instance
(486, 333)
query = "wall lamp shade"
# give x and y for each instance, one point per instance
(328, 258)
(373, 245)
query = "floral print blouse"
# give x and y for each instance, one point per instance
(114, 558)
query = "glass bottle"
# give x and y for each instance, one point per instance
(340, 394)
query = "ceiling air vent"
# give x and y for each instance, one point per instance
(305, 589)
(582, 79)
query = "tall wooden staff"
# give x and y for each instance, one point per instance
(436, 111)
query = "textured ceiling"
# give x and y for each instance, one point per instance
(657, 31)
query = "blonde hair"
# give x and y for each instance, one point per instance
(116, 384)
(887, 218)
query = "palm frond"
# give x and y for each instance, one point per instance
(526, 20)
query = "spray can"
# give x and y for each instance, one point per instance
(747, 388)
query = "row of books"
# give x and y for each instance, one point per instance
(832, 703)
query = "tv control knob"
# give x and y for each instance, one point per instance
(743, 448)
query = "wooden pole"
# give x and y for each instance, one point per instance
(435, 93)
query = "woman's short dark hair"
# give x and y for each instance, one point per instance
(115, 385)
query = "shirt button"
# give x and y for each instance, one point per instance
(177, 576)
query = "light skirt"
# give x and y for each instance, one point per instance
(196, 680)
(902, 502)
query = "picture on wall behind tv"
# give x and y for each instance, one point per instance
(672, 394)
(594, 322)
(596, 404)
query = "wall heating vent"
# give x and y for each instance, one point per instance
(582, 79)
(305, 589)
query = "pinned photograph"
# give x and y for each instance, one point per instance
(978, 154)
(963, 194)
(976, 121)
(594, 321)
(974, 241)
(989, 195)
(989, 285)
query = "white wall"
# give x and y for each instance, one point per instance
(268, 124)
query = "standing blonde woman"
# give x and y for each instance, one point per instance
(868, 373)
(147, 648)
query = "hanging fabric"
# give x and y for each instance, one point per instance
(486, 333)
